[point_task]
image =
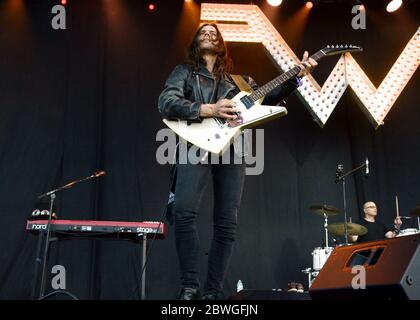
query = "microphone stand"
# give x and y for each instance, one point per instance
(52, 195)
(341, 177)
(46, 246)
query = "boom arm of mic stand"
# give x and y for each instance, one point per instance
(67, 186)
(342, 178)
(351, 171)
(70, 184)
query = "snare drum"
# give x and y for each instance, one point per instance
(407, 232)
(320, 256)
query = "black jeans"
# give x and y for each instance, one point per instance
(191, 183)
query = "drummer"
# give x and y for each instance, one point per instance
(376, 229)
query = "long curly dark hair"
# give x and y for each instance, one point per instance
(223, 62)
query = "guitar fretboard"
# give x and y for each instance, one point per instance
(273, 84)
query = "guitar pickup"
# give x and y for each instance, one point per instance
(247, 102)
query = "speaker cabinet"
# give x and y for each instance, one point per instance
(391, 268)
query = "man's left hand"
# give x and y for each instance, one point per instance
(307, 65)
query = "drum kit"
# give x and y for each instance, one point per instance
(321, 254)
(409, 231)
(413, 214)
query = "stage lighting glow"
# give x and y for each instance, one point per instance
(255, 27)
(379, 101)
(274, 3)
(63, 2)
(309, 5)
(393, 5)
(151, 7)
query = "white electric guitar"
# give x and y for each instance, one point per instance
(215, 134)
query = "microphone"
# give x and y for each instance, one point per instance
(98, 174)
(367, 167)
(340, 170)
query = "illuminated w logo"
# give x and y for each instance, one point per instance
(376, 102)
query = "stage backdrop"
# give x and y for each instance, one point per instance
(84, 99)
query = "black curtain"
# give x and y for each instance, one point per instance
(84, 99)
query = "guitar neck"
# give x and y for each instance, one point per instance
(273, 84)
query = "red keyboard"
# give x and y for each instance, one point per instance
(101, 229)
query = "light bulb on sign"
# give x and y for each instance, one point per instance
(274, 3)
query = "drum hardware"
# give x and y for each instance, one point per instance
(416, 213)
(309, 272)
(325, 211)
(407, 232)
(340, 176)
(321, 254)
(353, 229)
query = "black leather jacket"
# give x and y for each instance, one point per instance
(186, 90)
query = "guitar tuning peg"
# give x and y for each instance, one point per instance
(347, 46)
(341, 46)
(328, 46)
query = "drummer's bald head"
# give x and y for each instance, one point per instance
(369, 204)
(369, 208)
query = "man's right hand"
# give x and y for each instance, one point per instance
(397, 222)
(223, 108)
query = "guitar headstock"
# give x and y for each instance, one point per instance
(338, 49)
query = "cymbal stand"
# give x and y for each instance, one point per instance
(326, 229)
(308, 271)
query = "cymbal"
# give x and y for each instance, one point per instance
(353, 229)
(415, 212)
(321, 209)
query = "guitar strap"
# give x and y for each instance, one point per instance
(241, 83)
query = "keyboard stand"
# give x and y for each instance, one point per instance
(40, 260)
(143, 267)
